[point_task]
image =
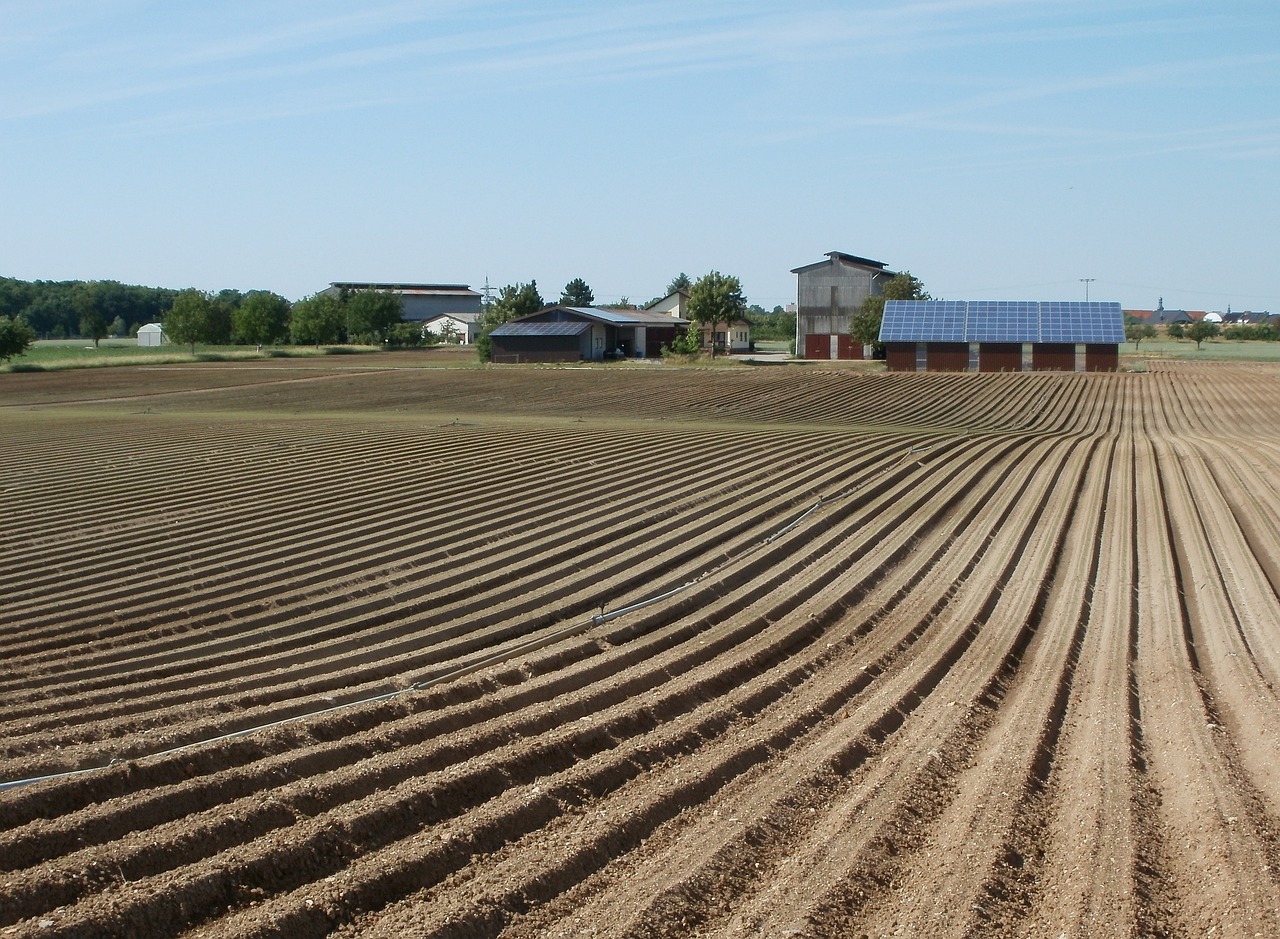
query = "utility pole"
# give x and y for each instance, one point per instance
(1087, 281)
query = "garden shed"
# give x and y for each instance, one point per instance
(151, 335)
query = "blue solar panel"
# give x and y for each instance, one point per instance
(541, 329)
(998, 320)
(1093, 322)
(1067, 322)
(923, 321)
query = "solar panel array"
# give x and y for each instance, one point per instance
(541, 329)
(1061, 321)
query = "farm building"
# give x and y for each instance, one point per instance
(421, 301)
(828, 294)
(151, 335)
(462, 327)
(571, 334)
(1001, 335)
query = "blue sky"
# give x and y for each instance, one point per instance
(998, 149)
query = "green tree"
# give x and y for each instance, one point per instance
(864, 326)
(680, 282)
(52, 312)
(1177, 330)
(231, 297)
(93, 326)
(118, 327)
(371, 314)
(1136, 332)
(15, 296)
(15, 337)
(716, 298)
(193, 318)
(775, 324)
(905, 287)
(1201, 330)
(577, 293)
(261, 318)
(688, 342)
(514, 301)
(318, 318)
(449, 335)
(408, 336)
(93, 300)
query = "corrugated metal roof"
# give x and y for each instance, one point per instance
(463, 316)
(541, 329)
(1060, 321)
(876, 267)
(452, 290)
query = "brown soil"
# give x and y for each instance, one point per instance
(316, 648)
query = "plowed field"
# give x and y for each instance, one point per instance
(309, 649)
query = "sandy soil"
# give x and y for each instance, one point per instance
(321, 650)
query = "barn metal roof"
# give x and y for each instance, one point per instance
(463, 316)
(453, 290)
(622, 317)
(1059, 321)
(832, 256)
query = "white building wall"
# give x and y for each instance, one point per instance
(151, 335)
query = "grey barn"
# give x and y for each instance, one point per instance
(421, 301)
(828, 294)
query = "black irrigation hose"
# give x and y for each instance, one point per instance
(497, 658)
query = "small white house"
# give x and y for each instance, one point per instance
(736, 340)
(673, 304)
(453, 327)
(151, 335)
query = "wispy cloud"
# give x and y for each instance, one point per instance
(301, 58)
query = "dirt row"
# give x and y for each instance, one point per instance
(804, 394)
(923, 679)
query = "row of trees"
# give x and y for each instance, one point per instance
(1200, 330)
(92, 309)
(262, 318)
(98, 309)
(1264, 332)
(360, 316)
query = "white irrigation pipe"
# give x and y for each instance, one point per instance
(496, 659)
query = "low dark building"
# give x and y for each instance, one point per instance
(1001, 335)
(572, 334)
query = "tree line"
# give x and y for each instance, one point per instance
(1198, 331)
(99, 309)
(90, 309)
